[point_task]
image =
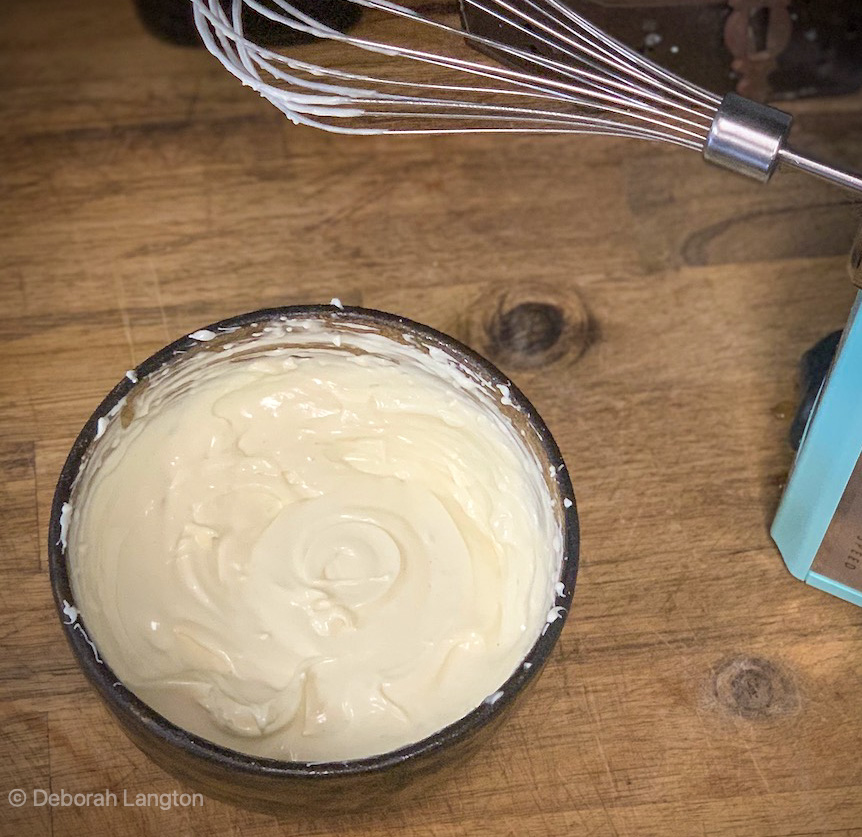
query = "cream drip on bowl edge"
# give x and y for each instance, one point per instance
(348, 546)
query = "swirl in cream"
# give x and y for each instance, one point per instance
(316, 545)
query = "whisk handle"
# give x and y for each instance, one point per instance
(840, 177)
(750, 138)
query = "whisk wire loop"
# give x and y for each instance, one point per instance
(585, 90)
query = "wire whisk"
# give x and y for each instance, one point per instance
(410, 71)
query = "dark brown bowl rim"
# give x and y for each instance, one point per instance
(129, 708)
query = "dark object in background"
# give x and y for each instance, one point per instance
(173, 20)
(762, 49)
(813, 368)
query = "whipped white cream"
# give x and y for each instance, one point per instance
(322, 544)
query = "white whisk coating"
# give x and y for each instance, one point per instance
(581, 80)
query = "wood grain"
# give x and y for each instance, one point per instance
(652, 309)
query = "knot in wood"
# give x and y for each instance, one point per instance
(528, 328)
(754, 688)
(534, 326)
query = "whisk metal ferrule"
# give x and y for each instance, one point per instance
(750, 138)
(747, 137)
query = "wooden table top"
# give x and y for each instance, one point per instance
(698, 688)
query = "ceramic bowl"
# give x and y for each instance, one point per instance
(278, 786)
